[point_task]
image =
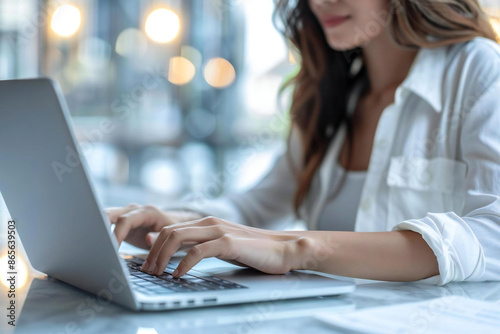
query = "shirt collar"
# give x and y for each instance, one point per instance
(425, 77)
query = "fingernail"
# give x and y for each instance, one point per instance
(176, 271)
(145, 266)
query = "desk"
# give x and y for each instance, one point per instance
(45, 305)
(50, 306)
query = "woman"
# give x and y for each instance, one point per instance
(393, 157)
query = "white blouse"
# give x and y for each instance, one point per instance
(434, 167)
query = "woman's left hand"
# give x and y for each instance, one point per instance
(272, 252)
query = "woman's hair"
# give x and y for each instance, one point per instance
(319, 103)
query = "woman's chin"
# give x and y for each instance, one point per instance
(342, 45)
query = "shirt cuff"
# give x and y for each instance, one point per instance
(459, 254)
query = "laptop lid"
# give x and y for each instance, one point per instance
(47, 191)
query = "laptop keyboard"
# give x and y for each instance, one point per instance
(166, 284)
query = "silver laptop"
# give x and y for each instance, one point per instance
(46, 187)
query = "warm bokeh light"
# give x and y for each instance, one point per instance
(291, 57)
(180, 71)
(162, 25)
(66, 20)
(21, 270)
(496, 25)
(219, 73)
(494, 15)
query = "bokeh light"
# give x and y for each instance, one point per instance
(144, 330)
(66, 20)
(21, 270)
(131, 43)
(493, 12)
(192, 55)
(164, 176)
(162, 25)
(180, 71)
(495, 22)
(219, 73)
(291, 57)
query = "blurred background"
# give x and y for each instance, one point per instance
(164, 94)
(167, 97)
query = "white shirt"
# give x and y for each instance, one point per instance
(339, 213)
(434, 166)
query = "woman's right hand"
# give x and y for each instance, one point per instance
(139, 225)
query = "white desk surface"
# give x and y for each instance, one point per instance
(45, 305)
(50, 306)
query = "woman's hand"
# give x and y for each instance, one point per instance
(268, 251)
(137, 224)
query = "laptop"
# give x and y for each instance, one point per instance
(45, 183)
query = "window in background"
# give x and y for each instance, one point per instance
(19, 38)
(166, 96)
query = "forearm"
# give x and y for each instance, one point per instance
(390, 256)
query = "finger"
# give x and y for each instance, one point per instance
(170, 240)
(220, 248)
(176, 239)
(133, 219)
(151, 238)
(204, 221)
(114, 212)
(150, 266)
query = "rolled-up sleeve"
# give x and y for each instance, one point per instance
(269, 204)
(467, 244)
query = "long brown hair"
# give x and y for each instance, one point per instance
(319, 104)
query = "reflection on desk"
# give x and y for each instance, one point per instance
(51, 306)
(55, 307)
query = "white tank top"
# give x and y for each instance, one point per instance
(340, 210)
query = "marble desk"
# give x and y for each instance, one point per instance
(45, 305)
(50, 306)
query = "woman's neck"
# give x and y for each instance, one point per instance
(387, 64)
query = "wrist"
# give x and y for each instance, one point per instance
(301, 251)
(315, 251)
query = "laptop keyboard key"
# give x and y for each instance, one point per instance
(166, 283)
